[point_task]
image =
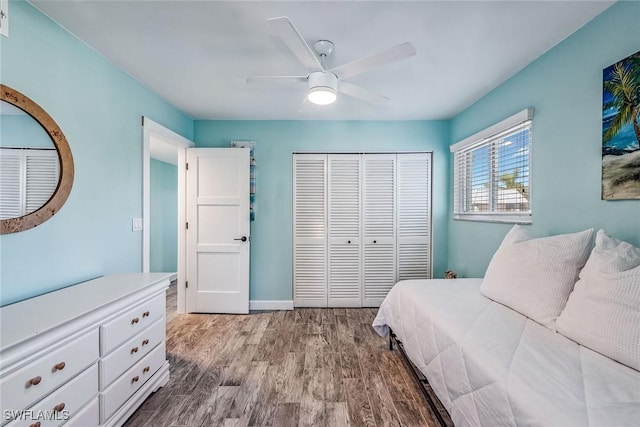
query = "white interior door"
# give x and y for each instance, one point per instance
(218, 230)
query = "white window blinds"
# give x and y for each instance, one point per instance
(492, 173)
(28, 178)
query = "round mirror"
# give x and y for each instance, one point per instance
(36, 166)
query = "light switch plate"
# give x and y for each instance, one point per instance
(136, 224)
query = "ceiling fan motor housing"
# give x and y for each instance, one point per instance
(323, 80)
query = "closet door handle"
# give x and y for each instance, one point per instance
(243, 238)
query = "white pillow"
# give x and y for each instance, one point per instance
(603, 311)
(535, 276)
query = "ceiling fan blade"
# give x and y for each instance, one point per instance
(362, 65)
(361, 93)
(275, 80)
(290, 35)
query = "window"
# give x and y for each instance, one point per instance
(492, 172)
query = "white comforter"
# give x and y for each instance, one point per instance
(491, 366)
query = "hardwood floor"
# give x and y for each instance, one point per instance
(307, 367)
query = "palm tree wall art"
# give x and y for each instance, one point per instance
(621, 130)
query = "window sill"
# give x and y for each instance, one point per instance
(497, 218)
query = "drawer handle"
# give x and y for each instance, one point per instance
(134, 350)
(145, 342)
(145, 314)
(59, 407)
(134, 320)
(36, 424)
(145, 369)
(59, 366)
(135, 379)
(34, 381)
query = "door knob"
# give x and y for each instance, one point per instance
(243, 238)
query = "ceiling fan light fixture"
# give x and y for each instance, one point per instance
(321, 95)
(322, 88)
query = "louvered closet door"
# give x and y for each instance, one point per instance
(42, 172)
(309, 228)
(414, 216)
(28, 179)
(11, 182)
(378, 227)
(344, 230)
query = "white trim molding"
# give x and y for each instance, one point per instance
(271, 305)
(516, 119)
(180, 143)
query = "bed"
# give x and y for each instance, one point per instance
(491, 366)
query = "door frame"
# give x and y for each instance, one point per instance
(180, 144)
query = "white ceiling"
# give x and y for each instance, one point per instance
(195, 54)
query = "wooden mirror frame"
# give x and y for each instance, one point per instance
(61, 193)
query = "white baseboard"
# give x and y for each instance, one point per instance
(270, 305)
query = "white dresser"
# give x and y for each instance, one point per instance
(86, 355)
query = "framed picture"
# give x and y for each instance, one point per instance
(621, 129)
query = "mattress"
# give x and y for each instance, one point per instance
(491, 366)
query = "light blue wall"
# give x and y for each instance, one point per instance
(163, 253)
(23, 131)
(98, 107)
(565, 88)
(271, 236)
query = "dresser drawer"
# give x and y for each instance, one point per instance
(30, 383)
(119, 392)
(125, 356)
(128, 324)
(64, 403)
(89, 416)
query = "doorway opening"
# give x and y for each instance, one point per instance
(163, 201)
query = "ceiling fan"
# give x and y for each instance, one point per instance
(324, 84)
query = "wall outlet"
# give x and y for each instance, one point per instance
(136, 224)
